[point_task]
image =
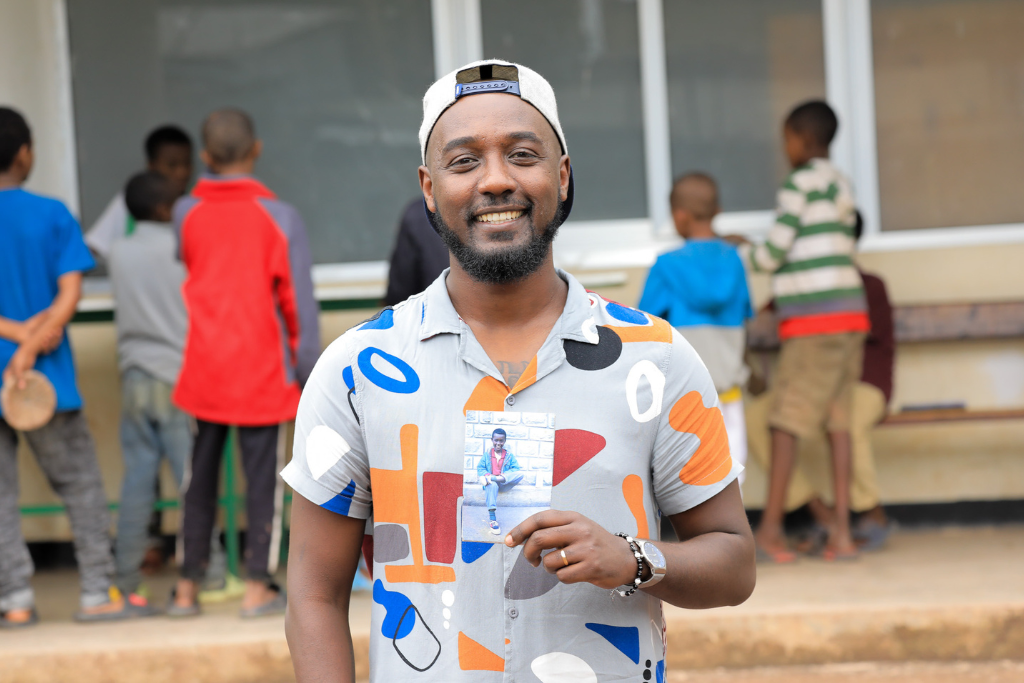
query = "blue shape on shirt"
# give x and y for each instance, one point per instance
(474, 550)
(626, 314)
(399, 616)
(409, 383)
(39, 242)
(343, 501)
(346, 375)
(384, 320)
(701, 283)
(659, 672)
(626, 639)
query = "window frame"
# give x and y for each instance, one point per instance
(849, 82)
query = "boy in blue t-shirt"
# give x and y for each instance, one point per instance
(42, 258)
(701, 289)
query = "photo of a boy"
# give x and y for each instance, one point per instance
(499, 472)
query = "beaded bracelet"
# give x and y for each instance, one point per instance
(639, 566)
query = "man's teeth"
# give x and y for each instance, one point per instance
(499, 217)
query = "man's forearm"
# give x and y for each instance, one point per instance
(711, 570)
(320, 642)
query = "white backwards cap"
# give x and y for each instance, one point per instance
(485, 76)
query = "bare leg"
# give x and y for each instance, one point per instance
(770, 535)
(840, 540)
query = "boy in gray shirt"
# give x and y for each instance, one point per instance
(151, 327)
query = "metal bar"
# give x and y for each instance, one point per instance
(231, 504)
(654, 93)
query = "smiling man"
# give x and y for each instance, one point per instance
(573, 593)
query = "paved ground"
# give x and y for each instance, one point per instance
(944, 594)
(868, 672)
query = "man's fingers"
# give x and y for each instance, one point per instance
(545, 539)
(540, 520)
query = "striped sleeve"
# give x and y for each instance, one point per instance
(769, 257)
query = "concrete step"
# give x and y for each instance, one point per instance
(941, 596)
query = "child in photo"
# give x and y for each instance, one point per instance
(508, 471)
(499, 472)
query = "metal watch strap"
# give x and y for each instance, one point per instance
(639, 566)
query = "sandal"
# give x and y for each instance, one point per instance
(830, 554)
(133, 606)
(175, 611)
(813, 541)
(7, 623)
(774, 556)
(275, 606)
(870, 535)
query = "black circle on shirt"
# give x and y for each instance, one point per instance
(586, 356)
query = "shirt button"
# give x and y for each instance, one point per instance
(511, 400)
(513, 612)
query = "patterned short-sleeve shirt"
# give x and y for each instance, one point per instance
(380, 432)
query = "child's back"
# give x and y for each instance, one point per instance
(701, 289)
(151, 317)
(815, 283)
(247, 290)
(39, 241)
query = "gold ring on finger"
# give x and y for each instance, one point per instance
(565, 559)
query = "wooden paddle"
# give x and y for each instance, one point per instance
(30, 407)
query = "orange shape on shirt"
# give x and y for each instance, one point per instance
(475, 657)
(528, 377)
(633, 492)
(489, 394)
(711, 462)
(658, 331)
(398, 502)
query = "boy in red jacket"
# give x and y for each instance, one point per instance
(252, 341)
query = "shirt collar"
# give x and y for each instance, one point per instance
(438, 316)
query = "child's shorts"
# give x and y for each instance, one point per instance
(814, 383)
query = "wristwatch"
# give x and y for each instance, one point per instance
(655, 560)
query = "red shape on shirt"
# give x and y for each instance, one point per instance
(441, 491)
(573, 449)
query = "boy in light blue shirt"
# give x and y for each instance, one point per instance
(701, 289)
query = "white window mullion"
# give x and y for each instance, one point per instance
(458, 34)
(850, 84)
(654, 89)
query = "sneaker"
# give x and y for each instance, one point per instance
(495, 528)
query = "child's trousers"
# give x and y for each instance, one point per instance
(263, 451)
(65, 452)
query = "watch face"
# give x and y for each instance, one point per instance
(654, 555)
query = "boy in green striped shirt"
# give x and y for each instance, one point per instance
(822, 313)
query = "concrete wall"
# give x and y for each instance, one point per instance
(33, 76)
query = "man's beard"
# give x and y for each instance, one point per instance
(501, 266)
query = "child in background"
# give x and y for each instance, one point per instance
(253, 339)
(822, 312)
(42, 258)
(701, 290)
(169, 153)
(151, 325)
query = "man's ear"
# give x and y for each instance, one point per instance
(207, 160)
(257, 150)
(564, 171)
(427, 187)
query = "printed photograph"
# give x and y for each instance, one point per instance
(509, 462)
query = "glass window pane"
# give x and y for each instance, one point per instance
(335, 90)
(735, 69)
(949, 102)
(589, 51)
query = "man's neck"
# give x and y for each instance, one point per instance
(507, 305)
